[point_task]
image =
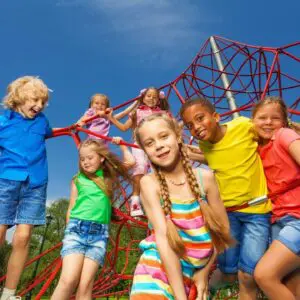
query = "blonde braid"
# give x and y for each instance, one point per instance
(220, 235)
(164, 191)
(173, 236)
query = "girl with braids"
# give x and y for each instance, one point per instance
(187, 218)
(278, 272)
(88, 216)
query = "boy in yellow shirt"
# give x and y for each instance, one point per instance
(231, 152)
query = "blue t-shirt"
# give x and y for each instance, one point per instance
(23, 149)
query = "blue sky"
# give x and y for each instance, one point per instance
(117, 47)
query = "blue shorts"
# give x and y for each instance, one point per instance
(86, 238)
(252, 233)
(21, 203)
(287, 231)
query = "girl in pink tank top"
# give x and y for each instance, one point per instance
(150, 101)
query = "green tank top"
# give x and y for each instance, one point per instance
(92, 204)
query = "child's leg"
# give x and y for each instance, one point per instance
(18, 257)
(29, 211)
(229, 259)
(3, 229)
(273, 267)
(292, 282)
(97, 239)
(281, 260)
(70, 276)
(140, 168)
(89, 270)
(254, 243)
(136, 185)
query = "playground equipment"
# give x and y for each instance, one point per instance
(233, 76)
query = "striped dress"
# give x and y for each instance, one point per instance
(150, 280)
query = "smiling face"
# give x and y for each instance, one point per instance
(151, 98)
(31, 107)
(99, 103)
(202, 124)
(267, 119)
(90, 161)
(160, 143)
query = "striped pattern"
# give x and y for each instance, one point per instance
(150, 280)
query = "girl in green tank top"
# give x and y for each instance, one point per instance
(88, 216)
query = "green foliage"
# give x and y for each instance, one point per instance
(4, 255)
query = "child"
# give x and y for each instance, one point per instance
(279, 149)
(98, 104)
(181, 244)
(150, 101)
(23, 170)
(88, 216)
(231, 153)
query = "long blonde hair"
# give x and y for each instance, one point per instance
(220, 234)
(283, 108)
(112, 168)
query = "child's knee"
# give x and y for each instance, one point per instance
(260, 275)
(69, 282)
(246, 279)
(21, 239)
(85, 286)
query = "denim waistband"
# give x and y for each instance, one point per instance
(87, 226)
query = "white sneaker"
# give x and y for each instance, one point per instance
(14, 298)
(136, 209)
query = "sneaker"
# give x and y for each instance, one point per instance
(14, 298)
(136, 209)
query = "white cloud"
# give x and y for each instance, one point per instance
(162, 29)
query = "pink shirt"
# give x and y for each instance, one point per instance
(99, 125)
(144, 111)
(281, 170)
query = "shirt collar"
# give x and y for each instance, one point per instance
(146, 107)
(9, 113)
(99, 173)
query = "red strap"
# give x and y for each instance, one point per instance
(273, 195)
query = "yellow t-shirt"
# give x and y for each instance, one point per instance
(237, 166)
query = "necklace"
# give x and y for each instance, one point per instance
(177, 183)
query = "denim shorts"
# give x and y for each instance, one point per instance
(22, 204)
(252, 233)
(287, 231)
(86, 238)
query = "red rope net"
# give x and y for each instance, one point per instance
(251, 73)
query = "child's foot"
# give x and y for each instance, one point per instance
(135, 207)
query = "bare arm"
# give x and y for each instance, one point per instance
(126, 111)
(201, 278)
(122, 126)
(294, 150)
(151, 203)
(128, 158)
(213, 197)
(195, 153)
(73, 197)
